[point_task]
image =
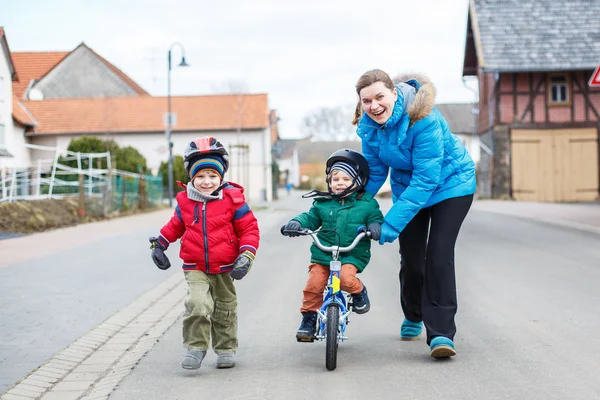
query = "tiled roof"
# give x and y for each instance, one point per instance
(536, 35)
(145, 113)
(33, 65)
(20, 114)
(459, 116)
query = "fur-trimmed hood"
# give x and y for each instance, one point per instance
(418, 93)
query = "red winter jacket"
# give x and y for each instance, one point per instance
(214, 233)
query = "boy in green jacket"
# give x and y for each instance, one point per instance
(339, 213)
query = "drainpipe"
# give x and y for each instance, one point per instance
(491, 110)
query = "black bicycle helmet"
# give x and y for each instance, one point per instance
(356, 161)
(352, 157)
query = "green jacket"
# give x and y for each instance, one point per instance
(343, 216)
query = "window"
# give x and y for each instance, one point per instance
(1, 88)
(2, 138)
(558, 93)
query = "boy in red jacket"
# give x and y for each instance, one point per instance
(219, 237)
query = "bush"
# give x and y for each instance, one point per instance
(125, 159)
(130, 160)
(179, 173)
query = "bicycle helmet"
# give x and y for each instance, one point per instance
(204, 147)
(351, 162)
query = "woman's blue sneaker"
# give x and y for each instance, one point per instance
(410, 330)
(442, 347)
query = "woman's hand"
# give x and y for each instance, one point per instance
(388, 234)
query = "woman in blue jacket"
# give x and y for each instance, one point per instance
(433, 181)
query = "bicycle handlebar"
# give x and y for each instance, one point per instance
(313, 234)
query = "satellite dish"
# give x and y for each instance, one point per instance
(35, 94)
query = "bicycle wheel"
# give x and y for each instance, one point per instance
(331, 328)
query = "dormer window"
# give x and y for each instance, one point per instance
(559, 90)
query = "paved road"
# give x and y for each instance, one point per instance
(527, 323)
(527, 319)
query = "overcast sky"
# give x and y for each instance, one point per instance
(305, 54)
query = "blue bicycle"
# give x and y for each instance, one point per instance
(333, 314)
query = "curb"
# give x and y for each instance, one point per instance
(92, 366)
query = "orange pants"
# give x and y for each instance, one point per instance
(318, 275)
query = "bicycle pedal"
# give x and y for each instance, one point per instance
(305, 340)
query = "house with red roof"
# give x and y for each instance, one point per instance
(49, 98)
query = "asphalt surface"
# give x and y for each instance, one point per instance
(527, 325)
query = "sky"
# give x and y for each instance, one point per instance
(304, 54)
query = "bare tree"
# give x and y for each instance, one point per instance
(330, 123)
(231, 86)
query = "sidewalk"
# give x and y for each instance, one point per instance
(580, 216)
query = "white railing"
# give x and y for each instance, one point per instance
(44, 178)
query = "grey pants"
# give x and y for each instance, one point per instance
(210, 311)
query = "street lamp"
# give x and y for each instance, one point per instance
(170, 117)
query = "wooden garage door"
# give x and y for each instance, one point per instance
(554, 165)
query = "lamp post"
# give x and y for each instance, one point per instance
(170, 117)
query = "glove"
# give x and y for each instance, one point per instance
(242, 265)
(158, 253)
(293, 226)
(375, 229)
(388, 234)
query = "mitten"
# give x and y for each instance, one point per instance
(388, 234)
(158, 253)
(375, 229)
(242, 264)
(292, 227)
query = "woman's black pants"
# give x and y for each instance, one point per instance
(427, 278)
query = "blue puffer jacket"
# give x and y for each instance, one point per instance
(428, 163)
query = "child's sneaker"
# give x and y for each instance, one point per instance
(410, 330)
(360, 302)
(442, 347)
(308, 327)
(226, 360)
(193, 359)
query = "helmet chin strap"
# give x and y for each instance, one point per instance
(329, 194)
(217, 190)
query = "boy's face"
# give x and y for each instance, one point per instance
(207, 181)
(340, 181)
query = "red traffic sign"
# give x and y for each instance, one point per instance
(595, 79)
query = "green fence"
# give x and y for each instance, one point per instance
(131, 193)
